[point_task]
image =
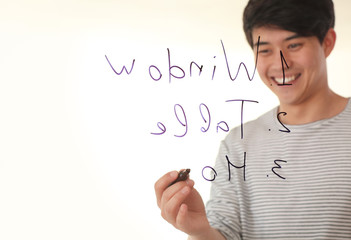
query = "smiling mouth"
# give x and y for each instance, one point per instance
(288, 79)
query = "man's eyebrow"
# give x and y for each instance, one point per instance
(293, 37)
(260, 43)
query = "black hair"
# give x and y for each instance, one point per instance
(304, 17)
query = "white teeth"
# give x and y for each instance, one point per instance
(287, 79)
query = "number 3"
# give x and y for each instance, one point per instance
(278, 167)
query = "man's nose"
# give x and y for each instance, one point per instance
(284, 60)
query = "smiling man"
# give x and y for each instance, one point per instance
(302, 88)
(291, 174)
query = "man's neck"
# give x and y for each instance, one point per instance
(314, 109)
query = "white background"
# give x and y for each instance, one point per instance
(77, 157)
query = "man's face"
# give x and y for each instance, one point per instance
(303, 59)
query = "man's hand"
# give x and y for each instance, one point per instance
(181, 205)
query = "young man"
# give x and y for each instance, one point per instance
(290, 176)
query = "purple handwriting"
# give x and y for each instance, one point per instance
(206, 117)
(208, 170)
(205, 114)
(180, 114)
(156, 74)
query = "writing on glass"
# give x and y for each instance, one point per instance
(156, 74)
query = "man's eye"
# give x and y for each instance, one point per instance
(294, 45)
(264, 51)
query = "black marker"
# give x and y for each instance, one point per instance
(182, 176)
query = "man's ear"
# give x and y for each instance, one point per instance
(329, 42)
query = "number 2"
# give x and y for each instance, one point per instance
(287, 130)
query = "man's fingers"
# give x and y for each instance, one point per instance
(162, 184)
(182, 216)
(172, 206)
